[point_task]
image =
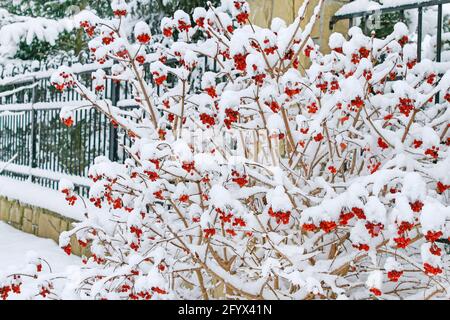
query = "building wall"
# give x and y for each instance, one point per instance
(263, 11)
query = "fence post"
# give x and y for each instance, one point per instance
(113, 137)
(33, 142)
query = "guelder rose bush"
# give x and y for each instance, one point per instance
(331, 181)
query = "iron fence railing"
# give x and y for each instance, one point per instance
(388, 7)
(43, 149)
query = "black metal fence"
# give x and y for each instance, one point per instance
(389, 8)
(32, 135)
(36, 145)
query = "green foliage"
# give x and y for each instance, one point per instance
(68, 43)
(185, 5)
(41, 50)
(383, 25)
(388, 20)
(73, 43)
(54, 9)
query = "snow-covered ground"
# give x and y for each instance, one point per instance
(15, 244)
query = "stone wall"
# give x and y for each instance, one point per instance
(40, 222)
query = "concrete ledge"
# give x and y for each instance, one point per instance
(40, 222)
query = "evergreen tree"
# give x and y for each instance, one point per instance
(70, 44)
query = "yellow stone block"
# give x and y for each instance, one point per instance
(28, 214)
(16, 214)
(5, 206)
(36, 213)
(27, 226)
(48, 226)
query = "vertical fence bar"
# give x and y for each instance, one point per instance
(439, 34)
(33, 143)
(113, 137)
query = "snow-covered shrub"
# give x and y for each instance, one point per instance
(335, 184)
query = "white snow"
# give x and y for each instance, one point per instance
(367, 5)
(15, 244)
(357, 6)
(36, 195)
(27, 29)
(43, 173)
(76, 68)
